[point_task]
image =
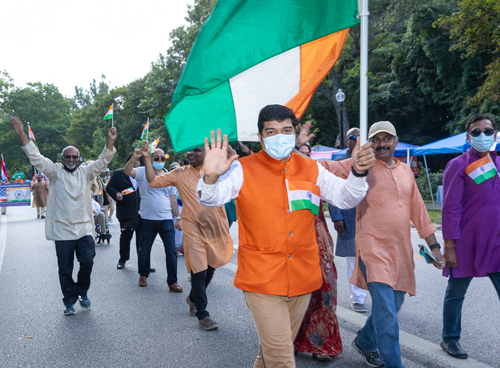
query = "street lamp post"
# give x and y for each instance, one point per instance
(340, 96)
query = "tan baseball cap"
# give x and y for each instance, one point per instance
(381, 127)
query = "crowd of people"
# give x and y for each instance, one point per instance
(286, 267)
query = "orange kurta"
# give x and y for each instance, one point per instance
(277, 252)
(383, 238)
(207, 241)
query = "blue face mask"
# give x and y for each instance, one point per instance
(482, 143)
(279, 146)
(158, 165)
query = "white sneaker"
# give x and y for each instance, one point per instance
(110, 220)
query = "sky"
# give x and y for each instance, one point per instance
(69, 43)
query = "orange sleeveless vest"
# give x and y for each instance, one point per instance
(277, 251)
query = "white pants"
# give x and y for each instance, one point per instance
(358, 295)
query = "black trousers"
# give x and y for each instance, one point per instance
(85, 253)
(125, 238)
(198, 294)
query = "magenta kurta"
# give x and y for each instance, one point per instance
(471, 216)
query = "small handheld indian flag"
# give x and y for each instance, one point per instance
(154, 145)
(3, 168)
(109, 115)
(481, 170)
(128, 191)
(32, 136)
(145, 131)
(303, 195)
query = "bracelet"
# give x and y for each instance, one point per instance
(357, 174)
(297, 148)
(449, 245)
(178, 218)
(434, 246)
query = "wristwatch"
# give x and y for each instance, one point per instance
(177, 217)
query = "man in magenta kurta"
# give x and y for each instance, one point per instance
(470, 224)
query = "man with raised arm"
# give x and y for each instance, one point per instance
(70, 220)
(278, 262)
(207, 242)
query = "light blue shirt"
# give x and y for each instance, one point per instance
(155, 202)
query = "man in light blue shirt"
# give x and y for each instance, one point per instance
(157, 205)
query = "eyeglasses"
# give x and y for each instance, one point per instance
(68, 157)
(477, 132)
(162, 159)
(353, 137)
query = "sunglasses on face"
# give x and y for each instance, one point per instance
(353, 137)
(162, 159)
(69, 157)
(477, 132)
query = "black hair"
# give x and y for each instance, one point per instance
(130, 156)
(477, 117)
(184, 161)
(307, 145)
(275, 113)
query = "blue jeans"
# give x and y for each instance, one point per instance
(453, 301)
(149, 229)
(381, 328)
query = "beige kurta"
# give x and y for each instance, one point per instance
(40, 194)
(69, 210)
(383, 238)
(207, 241)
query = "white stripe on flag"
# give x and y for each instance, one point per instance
(481, 170)
(295, 195)
(274, 81)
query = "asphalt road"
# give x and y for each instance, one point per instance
(129, 326)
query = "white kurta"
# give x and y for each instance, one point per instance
(69, 209)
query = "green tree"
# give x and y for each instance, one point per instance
(49, 114)
(475, 31)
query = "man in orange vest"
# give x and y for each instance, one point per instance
(278, 262)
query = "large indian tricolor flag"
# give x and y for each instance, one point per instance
(252, 53)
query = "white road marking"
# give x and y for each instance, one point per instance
(414, 342)
(406, 339)
(3, 239)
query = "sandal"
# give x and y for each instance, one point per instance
(322, 358)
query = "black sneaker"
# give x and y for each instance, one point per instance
(84, 302)
(372, 359)
(69, 310)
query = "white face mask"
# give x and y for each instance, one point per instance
(279, 146)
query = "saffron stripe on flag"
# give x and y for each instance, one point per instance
(476, 164)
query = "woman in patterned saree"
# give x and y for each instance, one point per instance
(319, 332)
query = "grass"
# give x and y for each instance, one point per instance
(435, 216)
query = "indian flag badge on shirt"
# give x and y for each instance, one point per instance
(481, 170)
(303, 195)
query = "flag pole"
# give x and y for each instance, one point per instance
(363, 72)
(147, 134)
(112, 115)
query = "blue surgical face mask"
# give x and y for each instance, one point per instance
(158, 165)
(279, 146)
(482, 143)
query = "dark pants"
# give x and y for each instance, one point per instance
(125, 238)
(198, 294)
(149, 230)
(453, 301)
(85, 253)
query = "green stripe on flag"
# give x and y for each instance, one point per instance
(303, 204)
(108, 116)
(238, 35)
(483, 177)
(187, 124)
